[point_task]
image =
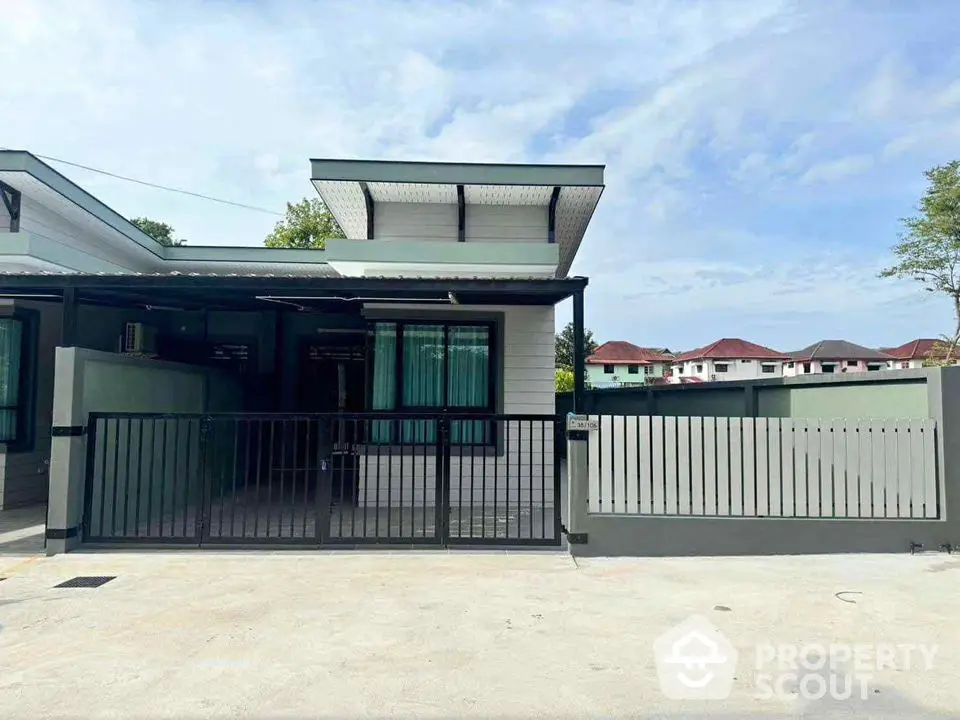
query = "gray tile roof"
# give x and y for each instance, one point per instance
(837, 350)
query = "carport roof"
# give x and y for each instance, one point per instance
(266, 292)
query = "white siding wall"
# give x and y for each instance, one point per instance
(47, 225)
(736, 369)
(415, 221)
(505, 223)
(525, 462)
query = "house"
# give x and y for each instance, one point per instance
(834, 356)
(914, 353)
(622, 364)
(727, 359)
(397, 387)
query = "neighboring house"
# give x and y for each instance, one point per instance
(834, 356)
(440, 300)
(622, 364)
(914, 353)
(727, 359)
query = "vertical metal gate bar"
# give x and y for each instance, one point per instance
(90, 478)
(530, 476)
(283, 470)
(270, 461)
(400, 479)
(186, 480)
(233, 476)
(258, 469)
(354, 477)
(391, 424)
(136, 512)
(163, 474)
(543, 477)
(293, 476)
(496, 479)
(473, 449)
(376, 502)
(558, 444)
(338, 434)
(150, 474)
(103, 469)
(306, 477)
(116, 482)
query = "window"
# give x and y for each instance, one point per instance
(827, 368)
(432, 367)
(790, 365)
(633, 369)
(851, 363)
(744, 361)
(608, 369)
(648, 369)
(874, 366)
(17, 352)
(767, 369)
(700, 368)
(720, 367)
(904, 365)
(806, 367)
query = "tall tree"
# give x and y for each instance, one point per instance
(307, 226)
(929, 247)
(159, 231)
(565, 346)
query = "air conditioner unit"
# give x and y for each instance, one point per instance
(139, 338)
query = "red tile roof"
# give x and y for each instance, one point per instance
(732, 349)
(915, 349)
(619, 351)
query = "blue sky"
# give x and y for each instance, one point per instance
(759, 154)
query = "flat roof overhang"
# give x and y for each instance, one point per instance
(324, 294)
(568, 193)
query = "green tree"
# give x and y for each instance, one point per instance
(929, 247)
(565, 346)
(307, 226)
(159, 231)
(564, 380)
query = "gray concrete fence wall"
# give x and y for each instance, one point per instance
(89, 381)
(638, 535)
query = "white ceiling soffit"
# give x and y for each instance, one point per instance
(346, 202)
(413, 193)
(575, 207)
(507, 194)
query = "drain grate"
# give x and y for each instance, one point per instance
(86, 581)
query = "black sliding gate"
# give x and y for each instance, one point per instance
(323, 480)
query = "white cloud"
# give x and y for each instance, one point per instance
(838, 169)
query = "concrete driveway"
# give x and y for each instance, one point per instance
(436, 634)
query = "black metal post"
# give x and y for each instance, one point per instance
(578, 352)
(68, 324)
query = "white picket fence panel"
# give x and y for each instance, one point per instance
(764, 467)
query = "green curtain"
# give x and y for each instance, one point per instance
(422, 378)
(11, 336)
(468, 378)
(384, 377)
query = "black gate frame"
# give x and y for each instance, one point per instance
(443, 447)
